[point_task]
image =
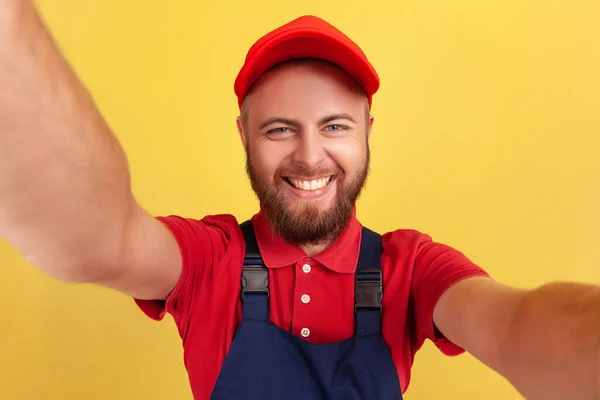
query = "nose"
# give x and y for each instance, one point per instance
(310, 150)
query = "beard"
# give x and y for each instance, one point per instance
(305, 223)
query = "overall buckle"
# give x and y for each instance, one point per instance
(255, 279)
(369, 289)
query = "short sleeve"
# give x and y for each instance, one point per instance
(437, 267)
(202, 245)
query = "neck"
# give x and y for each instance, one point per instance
(313, 249)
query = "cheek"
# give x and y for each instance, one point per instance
(349, 156)
(266, 160)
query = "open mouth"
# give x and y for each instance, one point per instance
(310, 186)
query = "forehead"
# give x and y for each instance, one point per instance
(305, 90)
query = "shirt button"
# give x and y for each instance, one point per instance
(305, 332)
(306, 268)
(305, 298)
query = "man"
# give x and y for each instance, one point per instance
(312, 324)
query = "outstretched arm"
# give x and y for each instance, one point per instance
(65, 195)
(546, 341)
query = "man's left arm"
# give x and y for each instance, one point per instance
(545, 342)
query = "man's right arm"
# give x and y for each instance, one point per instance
(65, 194)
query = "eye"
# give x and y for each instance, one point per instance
(278, 131)
(335, 127)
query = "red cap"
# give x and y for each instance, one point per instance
(306, 37)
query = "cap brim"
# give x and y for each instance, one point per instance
(306, 43)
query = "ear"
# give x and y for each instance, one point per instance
(240, 129)
(370, 128)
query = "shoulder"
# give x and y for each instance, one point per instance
(222, 220)
(432, 265)
(404, 236)
(427, 269)
(219, 224)
(416, 243)
(207, 240)
(404, 242)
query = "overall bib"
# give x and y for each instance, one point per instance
(266, 362)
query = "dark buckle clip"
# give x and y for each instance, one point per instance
(255, 279)
(369, 295)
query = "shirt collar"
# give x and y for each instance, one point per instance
(341, 256)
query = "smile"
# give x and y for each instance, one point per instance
(309, 186)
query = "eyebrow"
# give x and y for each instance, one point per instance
(294, 122)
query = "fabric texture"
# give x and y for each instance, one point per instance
(265, 361)
(207, 308)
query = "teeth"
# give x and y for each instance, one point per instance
(310, 185)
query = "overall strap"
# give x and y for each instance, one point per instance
(369, 285)
(255, 279)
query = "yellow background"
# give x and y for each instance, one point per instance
(487, 137)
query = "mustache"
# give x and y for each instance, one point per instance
(300, 171)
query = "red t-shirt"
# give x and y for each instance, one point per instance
(315, 293)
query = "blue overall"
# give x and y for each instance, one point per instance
(266, 362)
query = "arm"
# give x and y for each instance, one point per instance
(546, 341)
(65, 195)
